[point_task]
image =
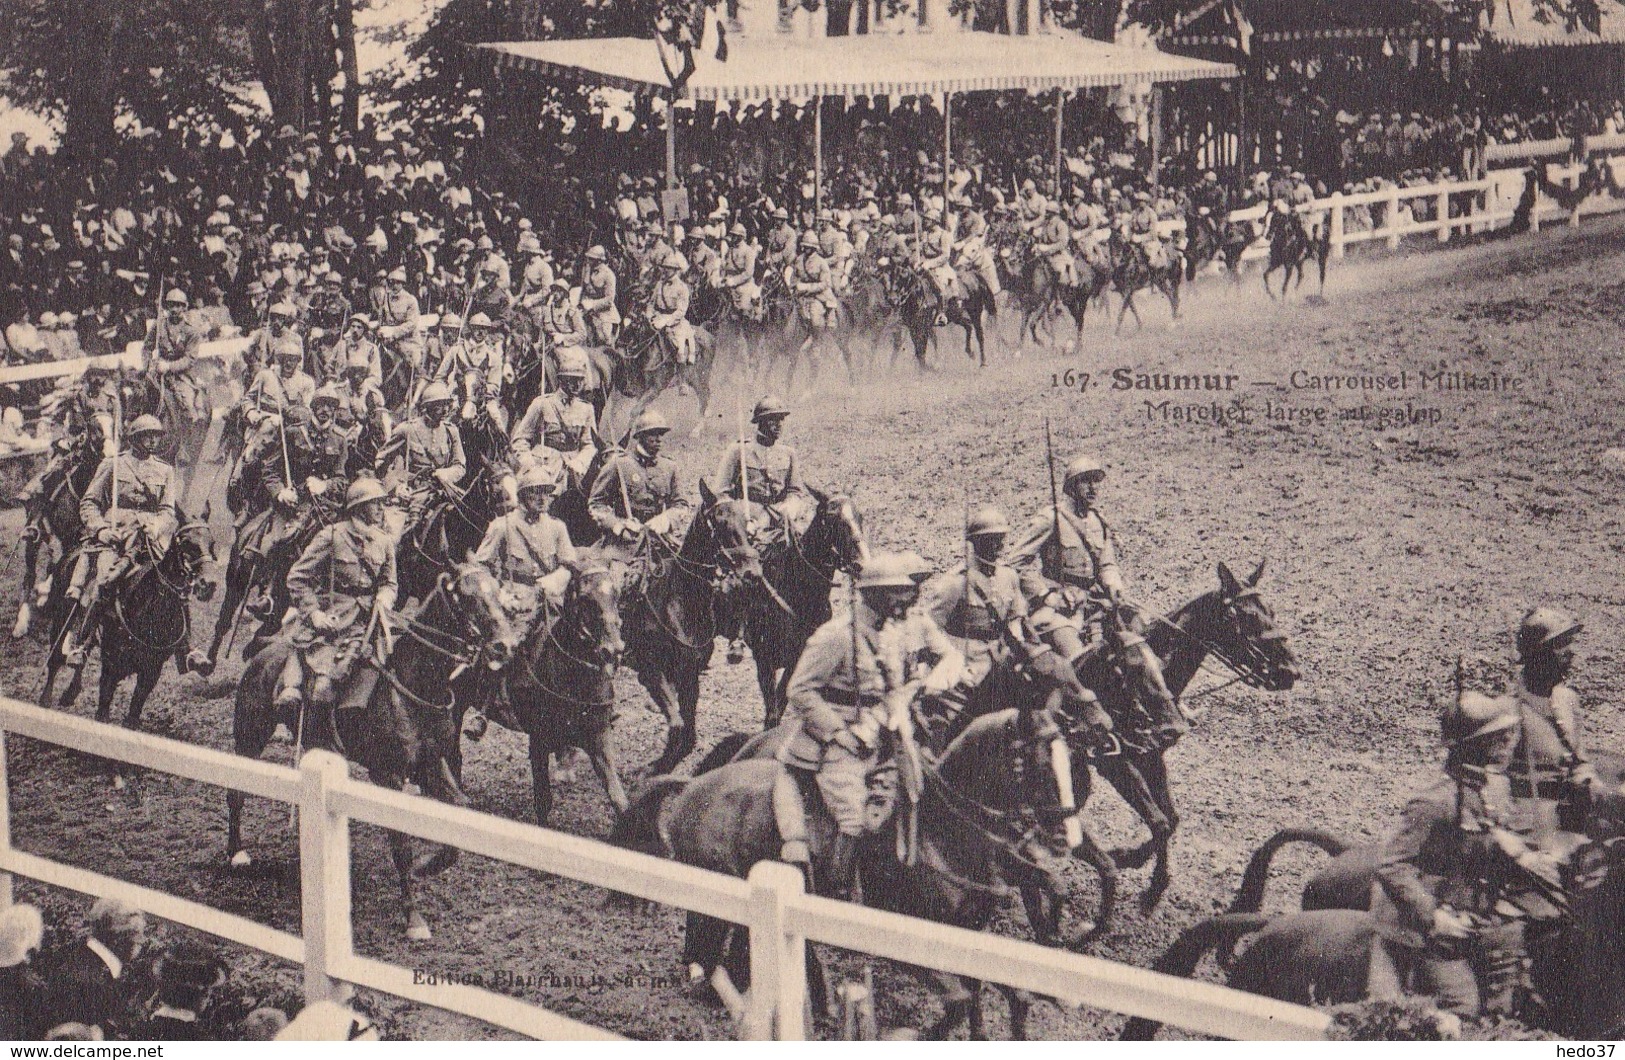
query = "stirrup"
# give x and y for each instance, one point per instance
(74, 658)
(476, 725)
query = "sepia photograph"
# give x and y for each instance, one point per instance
(812, 520)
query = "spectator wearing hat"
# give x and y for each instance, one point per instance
(189, 977)
(21, 929)
(93, 983)
(264, 1024)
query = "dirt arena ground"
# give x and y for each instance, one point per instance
(1390, 548)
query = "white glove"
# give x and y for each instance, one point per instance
(1449, 924)
(555, 584)
(660, 524)
(447, 476)
(316, 486)
(322, 622)
(384, 601)
(630, 527)
(287, 496)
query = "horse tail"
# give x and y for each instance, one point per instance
(723, 752)
(1250, 896)
(1195, 942)
(640, 828)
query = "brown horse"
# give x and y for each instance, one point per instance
(919, 306)
(1291, 248)
(1132, 273)
(801, 569)
(1004, 770)
(1577, 963)
(561, 683)
(405, 732)
(55, 527)
(147, 622)
(668, 613)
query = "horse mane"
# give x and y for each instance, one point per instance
(973, 740)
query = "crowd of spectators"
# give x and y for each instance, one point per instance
(117, 981)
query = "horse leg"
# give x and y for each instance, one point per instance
(1105, 868)
(1020, 1004)
(238, 582)
(704, 939)
(25, 598)
(1154, 770)
(146, 679)
(541, 779)
(1128, 303)
(767, 680)
(662, 689)
(400, 851)
(958, 1001)
(1266, 278)
(603, 763)
(252, 729)
(1130, 782)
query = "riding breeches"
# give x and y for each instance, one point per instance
(1066, 269)
(843, 781)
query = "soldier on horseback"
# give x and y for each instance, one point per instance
(562, 421)
(598, 292)
(936, 263)
(358, 342)
(739, 273)
(814, 287)
(1068, 562)
(1549, 772)
(341, 587)
(274, 391)
(1052, 239)
(361, 397)
(668, 310)
(429, 450)
(1453, 872)
(171, 353)
(559, 318)
(526, 551)
(640, 492)
(398, 314)
(836, 248)
(856, 674)
(781, 241)
(971, 251)
(1142, 231)
(86, 415)
(477, 367)
(130, 513)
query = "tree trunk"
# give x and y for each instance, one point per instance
(263, 35)
(94, 95)
(344, 25)
(296, 28)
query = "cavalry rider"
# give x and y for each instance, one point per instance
(171, 352)
(855, 673)
(1052, 238)
(526, 551)
(640, 492)
(363, 399)
(84, 412)
(429, 449)
(332, 446)
(739, 271)
(1031, 208)
(781, 241)
(979, 607)
(1283, 215)
(814, 286)
(705, 258)
(276, 486)
(972, 252)
(1211, 202)
(478, 367)
(277, 332)
(562, 420)
(1549, 771)
(668, 309)
(142, 516)
(274, 391)
(598, 298)
(836, 248)
(1447, 868)
(398, 314)
(491, 295)
(560, 319)
(536, 272)
(1142, 229)
(342, 586)
(936, 262)
(358, 340)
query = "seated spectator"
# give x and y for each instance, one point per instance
(264, 1024)
(91, 983)
(189, 975)
(21, 929)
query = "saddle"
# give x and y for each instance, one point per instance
(806, 827)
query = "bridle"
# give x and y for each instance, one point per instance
(1251, 665)
(555, 624)
(191, 575)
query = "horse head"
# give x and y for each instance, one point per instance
(191, 557)
(593, 605)
(835, 537)
(1009, 765)
(472, 593)
(720, 537)
(1245, 635)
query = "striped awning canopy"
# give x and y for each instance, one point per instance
(782, 67)
(1517, 24)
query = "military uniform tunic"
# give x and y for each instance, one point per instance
(975, 611)
(771, 476)
(346, 571)
(148, 499)
(425, 450)
(651, 486)
(598, 303)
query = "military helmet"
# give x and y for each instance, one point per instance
(436, 393)
(736, 229)
(915, 565)
(537, 477)
(289, 351)
(572, 362)
(397, 275)
(363, 491)
(451, 321)
(1546, 627)
(769, 406)
(597, 254)
(1085, 466)
(649, 422)
(480, 320)
(1475, 715)
(49, 319)
(675, 261)
(887, 570)
(809, 240)
(987, 519)
(146, 423)
(176, 296)
(283, 309)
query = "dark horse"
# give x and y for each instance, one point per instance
(58, 522)
(1038, 291)
(644, 368)
(976, 815)
(1234, 625)
(561, 683)
(801, 569)
(454, 520)
(1577, 962)
(406, 732)
(1291, 247)
(669, 618)
(249, 568)
(1132, 272)
(918, 305)
(147, 621)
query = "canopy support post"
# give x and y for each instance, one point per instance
(1156, 132)
(1060, 118)
(947, 145)
(671, 142)
(818, 155)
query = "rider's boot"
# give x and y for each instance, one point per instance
(843, 866)
(323, 700)
(76, 643)
(292, 679)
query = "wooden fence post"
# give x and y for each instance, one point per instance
(1443, 210)
(1575, 182)
(5, 823)
(778, 959)
(324, 876)
(1393, 217)
(1336, 223)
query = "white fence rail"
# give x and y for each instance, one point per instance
(781, 919)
